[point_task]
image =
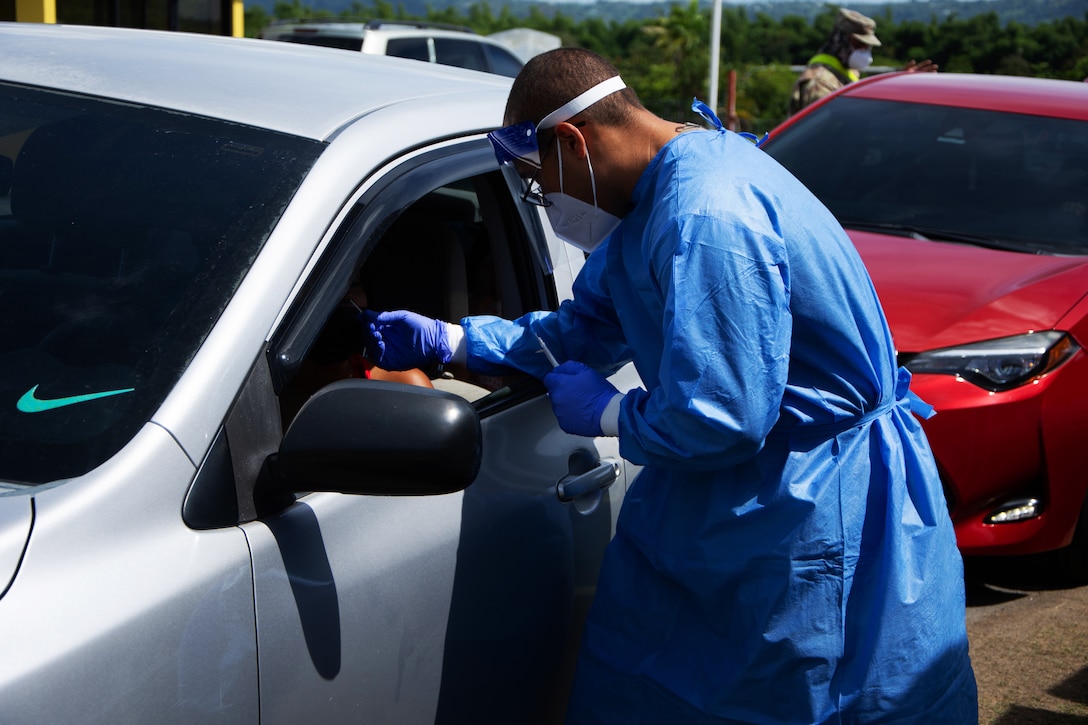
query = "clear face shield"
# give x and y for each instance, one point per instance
(516, 143)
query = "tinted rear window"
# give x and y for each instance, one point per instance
(461, 53)
(325, 41)
(503, 61)
(124, 231)
(410, 48)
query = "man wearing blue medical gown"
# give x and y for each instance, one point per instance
(786, 554)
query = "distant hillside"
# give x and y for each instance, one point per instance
(1026, 13)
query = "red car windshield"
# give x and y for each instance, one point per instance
(1007, 180)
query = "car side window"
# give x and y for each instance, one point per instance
(461, 53)
(461, 248)
(410, 48)
(503, 62)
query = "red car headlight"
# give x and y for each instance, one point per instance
(1000, 364)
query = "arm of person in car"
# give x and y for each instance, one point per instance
(920, 66)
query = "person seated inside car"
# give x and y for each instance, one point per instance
(338, 354)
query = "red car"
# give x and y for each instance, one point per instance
(967, 197)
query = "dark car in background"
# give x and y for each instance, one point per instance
(967, 197)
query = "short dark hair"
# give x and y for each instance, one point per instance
(552, 79)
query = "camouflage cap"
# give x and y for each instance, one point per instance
(858, 26)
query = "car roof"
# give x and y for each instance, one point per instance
(391, 28)
(298, 89)
(1015, 94)
(402, 31)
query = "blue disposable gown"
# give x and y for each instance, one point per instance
(786, 555)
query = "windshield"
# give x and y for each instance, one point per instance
(124, 231)
(1001, 179)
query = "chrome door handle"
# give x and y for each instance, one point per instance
(600, 476)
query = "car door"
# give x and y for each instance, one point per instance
(461, 607)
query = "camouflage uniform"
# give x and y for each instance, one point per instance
(827, 71)
(816, 81)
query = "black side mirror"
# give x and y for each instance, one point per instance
(379, 438)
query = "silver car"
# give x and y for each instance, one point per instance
(211, 510)
(429, 42)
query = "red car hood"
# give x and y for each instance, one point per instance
(939, 294)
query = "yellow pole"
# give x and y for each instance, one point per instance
(237, 18)
(36, 11)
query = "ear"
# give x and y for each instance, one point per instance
(571, 138)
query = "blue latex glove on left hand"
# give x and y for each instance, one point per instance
(579, 395)
(402, 340)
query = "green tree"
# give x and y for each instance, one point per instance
(667, 59)
(903, 42)
(735, 36)
(680, 53)
(763, 94)
(1059, 46)
(256, 20)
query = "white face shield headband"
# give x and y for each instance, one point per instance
(518, 141)
(574, 221)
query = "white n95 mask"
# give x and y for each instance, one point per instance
(574, 221)
(579, 224)
(860, 59)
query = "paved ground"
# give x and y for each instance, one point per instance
(1029, 643)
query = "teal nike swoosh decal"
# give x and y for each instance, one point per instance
(30, 403)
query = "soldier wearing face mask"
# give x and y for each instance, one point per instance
(841, 60)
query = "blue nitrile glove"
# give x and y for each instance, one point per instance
(579, 396)
(402, 340)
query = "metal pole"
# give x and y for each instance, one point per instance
(731, 101)
(715, 50)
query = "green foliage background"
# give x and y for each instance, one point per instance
(666, 59)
